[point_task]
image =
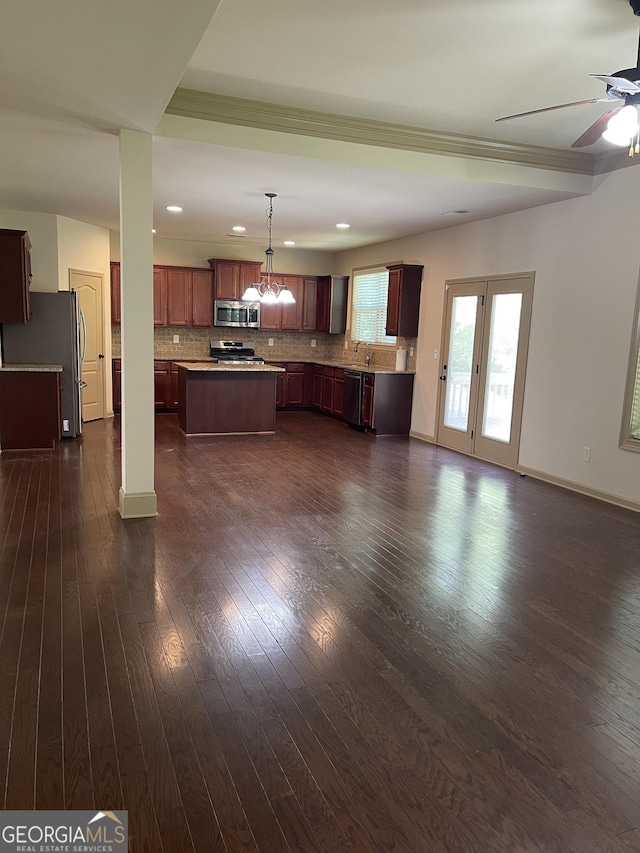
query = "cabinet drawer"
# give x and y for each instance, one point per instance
(368, 379)
(328, 371)
(295, 367)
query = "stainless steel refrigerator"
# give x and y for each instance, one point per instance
(52, 336)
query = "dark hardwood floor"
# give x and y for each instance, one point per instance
(323, 643)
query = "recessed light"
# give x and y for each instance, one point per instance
(238, 228)
(174, 208)
(342, 225)
(289, 243)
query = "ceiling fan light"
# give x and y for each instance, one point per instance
(622, 127)
(617, 137)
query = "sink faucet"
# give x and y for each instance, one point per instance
(367, 358)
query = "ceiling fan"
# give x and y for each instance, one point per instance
(619, 125)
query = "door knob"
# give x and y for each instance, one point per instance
(100, 355)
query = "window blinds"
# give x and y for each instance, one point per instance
(369, 307)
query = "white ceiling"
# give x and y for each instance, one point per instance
(71, 73)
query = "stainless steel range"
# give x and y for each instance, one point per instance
(233, 352)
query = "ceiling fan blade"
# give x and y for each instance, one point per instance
(557, 107)
(592, 134)
(618, 83)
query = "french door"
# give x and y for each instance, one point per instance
(486, 335)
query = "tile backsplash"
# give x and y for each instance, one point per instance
(287, 346)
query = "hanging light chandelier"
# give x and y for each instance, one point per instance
(267, 290)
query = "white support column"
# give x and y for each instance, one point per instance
(137, 495)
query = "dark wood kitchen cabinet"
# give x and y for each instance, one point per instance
(403, 303)
(331, 304)
(309, 304)
(338, 392)
(387, 402)
(231, 278)
(182, 296)
(165, 384)
(287, 317)
(116, 313)
(290, 386)
(159, 296)
(202, 298)
(179, 297)
(30, 414)
(15, 276)
(316, 395)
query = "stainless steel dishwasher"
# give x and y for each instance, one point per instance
(352, 400)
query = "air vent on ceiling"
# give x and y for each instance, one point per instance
(241, 236)
(457, 212)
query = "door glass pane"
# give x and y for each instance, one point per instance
(501, 370)
(460, 363)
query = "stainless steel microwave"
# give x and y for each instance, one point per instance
(227, 312)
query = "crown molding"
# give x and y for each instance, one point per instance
(239, 111)
(611, 161)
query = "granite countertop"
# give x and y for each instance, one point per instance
(344, 365)
(211, 366)
(31, 368)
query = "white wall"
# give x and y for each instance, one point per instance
(586, 255)
(191, 253)
(43, 234)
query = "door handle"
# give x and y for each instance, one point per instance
(100, 355)
(443, 378)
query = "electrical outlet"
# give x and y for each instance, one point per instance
(65, 425)
(313, 342)
(435, 355)
(586, 454)
(410, 350)
(270, 342)
(176, 339)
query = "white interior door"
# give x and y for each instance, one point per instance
(89, 288)
(485, 354)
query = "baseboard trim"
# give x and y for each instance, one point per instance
(138, 504)
(422, 436)
(607, 497)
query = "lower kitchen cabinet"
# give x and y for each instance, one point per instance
(165, 383)
(316, 394)
(290, 386)
(30, 413)
(161, 384)
(387, 401)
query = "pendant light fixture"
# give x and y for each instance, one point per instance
(267, 290)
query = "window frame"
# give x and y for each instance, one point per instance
(359, 271)
(632, 385)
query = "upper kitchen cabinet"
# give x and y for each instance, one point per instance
(232, 278)
(202, 298)
(179, 297)
(15, 276)
(403, 304)
(309, 304)
(331, 304)
(159, 296)
(286, 316)
(182, 296)
(115, 293)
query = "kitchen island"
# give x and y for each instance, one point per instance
(218, 399)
